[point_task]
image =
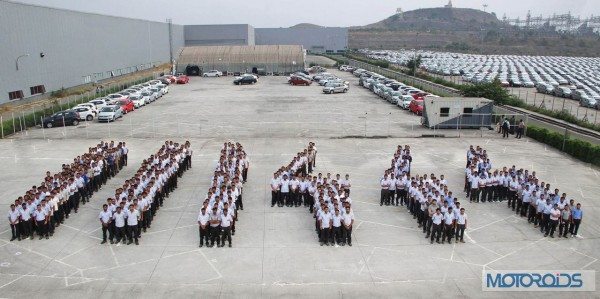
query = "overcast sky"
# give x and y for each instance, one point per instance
(284, 13)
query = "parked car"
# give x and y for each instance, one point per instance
(335, 87)
(85, 112)
(91, 106)
(246, 79)
(183, 79)
(156, 92)
(404, 101)
(416, 107)
(126, 105)
(116, 97)
(297, 80)
(100, 102)
(138, 100)
(62, 118)
(212, 73)
(150, 96)
(110, 113)
(588, 102)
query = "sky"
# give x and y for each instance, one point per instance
(284, 13)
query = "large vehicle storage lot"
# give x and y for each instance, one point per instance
(275, 251)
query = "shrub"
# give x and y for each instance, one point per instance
(577, 148)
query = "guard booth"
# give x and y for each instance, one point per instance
(457, 113)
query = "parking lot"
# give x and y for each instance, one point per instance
(275, 250)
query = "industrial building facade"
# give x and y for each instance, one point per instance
(219, 35)
(314, 40)
(45, 49)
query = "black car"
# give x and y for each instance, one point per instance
(248, 79)
(62, 118)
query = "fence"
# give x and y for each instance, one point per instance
(17, 121)
(425, 85)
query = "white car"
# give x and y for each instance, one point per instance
(164, 89)
(335, 87)
(213, 73)
(404, 101)
(116, 97)
(149, 95)
(156, 92)
(110, 113)
(91, 106)
(138, 100)
(100, 102)
(85, 113)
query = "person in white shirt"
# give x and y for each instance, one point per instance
(119, 219)
(436, 220)
(461, 225)
(347, 221)
(41, 221)
(105, 220)
(449, 222)
(133, 217)
(226, 222)
(13, 220)
(203, 219)
(554, 216)
(285, 192)
(214, 221)
(326, 222)
(336, 237)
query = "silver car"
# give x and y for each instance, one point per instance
(335, 87)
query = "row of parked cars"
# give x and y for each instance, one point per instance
(114, 106)
(576, 78)
(402, 95)
(330, 82)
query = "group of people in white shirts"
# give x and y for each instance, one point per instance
(426, 197)
(290, 183)
(524, 192)
(45, 207)
(219, 212)
(138, 200)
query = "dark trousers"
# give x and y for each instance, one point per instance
(25, 229)
(284, 197)
(297, 198)
(460, 231)
(448, 232)
(545, 222)
(436, 232)
(42, 228)
(120, 233)
(531, 214)
(563, 228)
(226, 235)
(214, 234)
(347, 235)
(392, 196)
(132, 232)
(474, 196)
(337, 236)
(274, 197)
(14, 229)
(384, 196)
(245, 174)
(203, 235)
(239, 204)
(325, 234)
(575, 226)
(105, 229)
(427, 225)
(524, 208)
(551, 227)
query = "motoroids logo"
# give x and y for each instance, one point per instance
(550, 280)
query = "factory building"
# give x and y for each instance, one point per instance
(45, 49)
(276, 59)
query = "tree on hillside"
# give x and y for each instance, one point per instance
(413, 64)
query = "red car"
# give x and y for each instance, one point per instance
(416, 107)
(295, 80)
(171, 78)
(183, 79)
(126, 105)
(420, 95)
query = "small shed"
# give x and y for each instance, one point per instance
(457, 112)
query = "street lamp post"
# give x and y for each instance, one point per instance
(17, 60)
